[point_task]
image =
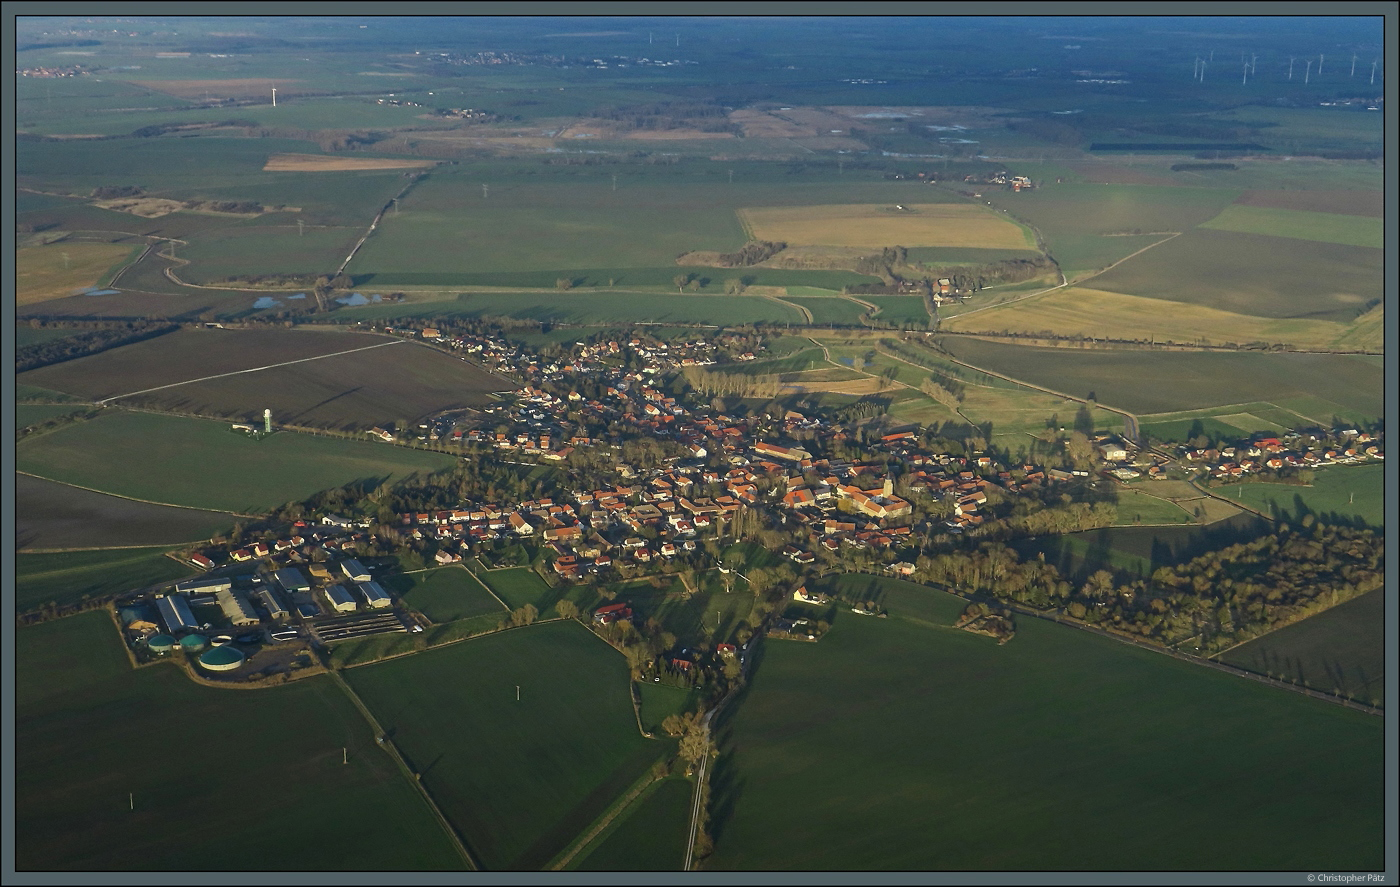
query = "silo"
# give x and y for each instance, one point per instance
(221, 659)
(192, 643)
(160, 643)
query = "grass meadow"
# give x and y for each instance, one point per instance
(202, 464)
(1346, 492)
(1099, 314)
(1147, 382)
(830, 310)
(1341, 650)
(518, 779)
(123, 770)
(445, 594)
(903, 744)
(518, 586)
(588, 307)
(67, 577)
(649, 836)
(55, 270)
(52, 515)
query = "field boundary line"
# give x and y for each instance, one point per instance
(415, 778)
(478, 581)
(166, 545)
(272, 366)
(134, 499)
(599, 825)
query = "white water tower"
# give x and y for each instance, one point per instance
(267, 421)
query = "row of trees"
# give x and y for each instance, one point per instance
(86, 339)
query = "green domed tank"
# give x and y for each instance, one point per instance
(192, 643)
(160, 643)
(221, 659)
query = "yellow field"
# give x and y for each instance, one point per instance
(42, 273)
(1100, 314)
(873, 226)
(323, 163)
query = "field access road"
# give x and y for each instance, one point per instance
(271, 366)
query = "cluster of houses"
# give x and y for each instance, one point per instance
(1294, 450)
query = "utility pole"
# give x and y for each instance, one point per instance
(344, 755)
(485, 189)
(300, 226)
(131, 800)
(517, 692)
(274, 96)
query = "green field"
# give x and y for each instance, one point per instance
(651, 833)
(661, 700)
(518, 780)
(69, 576)
(1344, 492)
(98, 786)
(1254, 274)
(445, 594)
(247, 251)
(899, 310)
(203, 464)
(589, 307)
(1340, 650)
(1074, 219)
(37, 413)
(1347, 230)
(1136, 507)
(1147, 382)
(830, 310)
(904, 744)
(518, 586)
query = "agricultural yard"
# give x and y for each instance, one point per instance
(869, 732)
(190, 353)
(1253, 274)
(53, 515)
(68, 577)
(1098, 314)
(649, 836)
(1148, 382)
(589, 307)
(518, 779)
(1341, 650)
(874, 226)
(388, 385)
(445, 594)
(56, 270)
(1342, 492)
(202, 464)
(1348, 230)
(85, 735)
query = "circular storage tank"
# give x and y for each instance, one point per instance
(221, 659)
(192, 643)
(160, 643)
(220, 640)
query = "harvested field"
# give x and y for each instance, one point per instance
(1353, 203)
(1099, 314)
(190, 354)
(53, 515)
(875, 226)
(331, 163)
(347, 391)
(55, 270)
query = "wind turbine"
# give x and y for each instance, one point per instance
(1196, 69)
(300, 224)
(1320, 57)
(485, 189)
(274, 96)
(1290, 67)
(1353, 64)
(1253, 63)
(1245, 79)
(1373, 72)
(1307, 75)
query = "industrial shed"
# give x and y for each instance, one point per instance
(340, 599)
(354, 570)
(237, 608)
(275, 609)
(292, 579)
(374, 594)
(175, 613)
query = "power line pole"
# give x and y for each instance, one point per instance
(485, 189)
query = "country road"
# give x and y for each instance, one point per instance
(271, 366)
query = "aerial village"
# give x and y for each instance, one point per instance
(831, 496)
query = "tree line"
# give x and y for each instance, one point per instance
(86, 341)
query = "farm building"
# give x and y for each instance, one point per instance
(319, 572)
(611, 613)
(292, 580)
(273, 604)
(374, 594)
(237, 608)
(204, 586)
(354, 571)
(175, 613)
(341, 600)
